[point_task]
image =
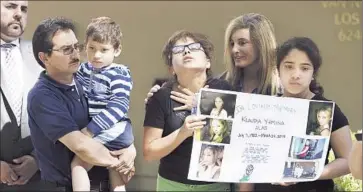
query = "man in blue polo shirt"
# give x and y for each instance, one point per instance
(58, 110)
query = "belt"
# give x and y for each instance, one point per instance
(95, 186)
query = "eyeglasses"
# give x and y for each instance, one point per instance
(69, 49)
(192, 47)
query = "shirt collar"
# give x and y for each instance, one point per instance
(50, 80)
(98, 70)
(16, 42)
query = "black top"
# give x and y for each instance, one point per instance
(239, 85)
(339, 121)
(160, 114)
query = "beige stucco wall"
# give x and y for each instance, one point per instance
(147, 25)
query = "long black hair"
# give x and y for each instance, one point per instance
(308, 46)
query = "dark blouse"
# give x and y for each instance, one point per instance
(160, 114)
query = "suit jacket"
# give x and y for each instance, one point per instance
(23, 145)
(31, 71)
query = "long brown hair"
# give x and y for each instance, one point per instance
(263, 38)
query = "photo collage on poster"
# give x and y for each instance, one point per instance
(247, 133)
(305, 152)
(219, 108)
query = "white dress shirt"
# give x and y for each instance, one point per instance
(18, 62)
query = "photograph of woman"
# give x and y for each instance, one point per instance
(210, 162)
(218, 110)
(324, 117)
(320, 118)
(217, 103)
(218, 131)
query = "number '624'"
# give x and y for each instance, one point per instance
(350, 35)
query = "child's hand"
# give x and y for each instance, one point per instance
(127, 177)
(87, 132)
(126, 158)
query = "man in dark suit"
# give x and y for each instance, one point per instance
(19, 71)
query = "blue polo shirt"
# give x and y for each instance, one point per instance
(55, 110)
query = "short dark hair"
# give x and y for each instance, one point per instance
(104, 30)
(183, 34)
(308, 46)
(44, 33)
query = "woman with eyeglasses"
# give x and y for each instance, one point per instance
(249, 58)
(168, 133)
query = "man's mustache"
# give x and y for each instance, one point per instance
(74, 61)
